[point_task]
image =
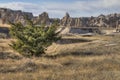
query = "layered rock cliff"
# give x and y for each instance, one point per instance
(111, 20)
(106, 21)
(8, 15)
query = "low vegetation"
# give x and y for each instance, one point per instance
(32, 40)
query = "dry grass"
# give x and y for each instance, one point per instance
(5, 25)
(89, 58)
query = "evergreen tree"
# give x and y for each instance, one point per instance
(31, 40)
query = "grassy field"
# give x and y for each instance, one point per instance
(72, 58)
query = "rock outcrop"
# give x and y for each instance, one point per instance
(105, 21)
(66, 20)
(73, 22)
(42, 19)
(108, 21)
(8, 15)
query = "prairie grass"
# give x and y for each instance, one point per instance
(89, 58)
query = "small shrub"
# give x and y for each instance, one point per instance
(32, 40)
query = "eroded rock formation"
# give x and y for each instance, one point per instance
(106, 21)
(42, 19)
(8, 15)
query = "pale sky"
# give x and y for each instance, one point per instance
(58, 8)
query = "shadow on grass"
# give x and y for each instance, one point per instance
(9, 55)
(5, 31)
(24, 67)
(71, 54)
(72, 40)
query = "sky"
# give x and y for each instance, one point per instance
(58, 8)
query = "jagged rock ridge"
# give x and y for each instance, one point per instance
(106, 21)
(7, 15)
(111, 20)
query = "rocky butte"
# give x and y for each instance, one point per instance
(105, 21)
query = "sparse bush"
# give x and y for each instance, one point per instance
(32, 40)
